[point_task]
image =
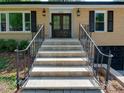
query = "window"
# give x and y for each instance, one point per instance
(15, 21)
(2, 22)
(100, 21)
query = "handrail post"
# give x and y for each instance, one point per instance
(108, 70)
(43, 32)
(97, 64)
(17, 67)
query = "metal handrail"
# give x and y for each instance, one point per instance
(30, 42)
(84, 34)
(95, 43)
(26, 56)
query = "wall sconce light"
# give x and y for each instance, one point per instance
(78, 12)
(44, 12)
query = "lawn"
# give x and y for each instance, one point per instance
(7, 73)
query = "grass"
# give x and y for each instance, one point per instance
(10, 81)
(7, 78)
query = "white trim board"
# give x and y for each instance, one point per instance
(55, 6)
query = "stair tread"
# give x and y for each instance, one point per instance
(61, 46)
(63, 51)
(66, 40)
(61, 69)
(61, 83)
(61, 59)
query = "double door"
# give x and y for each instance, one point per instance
(61, 25)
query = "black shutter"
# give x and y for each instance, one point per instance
(33, 21)
(110, 21)
(91, 21)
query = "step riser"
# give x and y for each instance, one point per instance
(60, 63)
(62, 91)
(66, 40)
(61, 43)
(43, 54)
(60, 48)
(61, 74)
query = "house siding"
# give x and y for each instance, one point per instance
(102, 38)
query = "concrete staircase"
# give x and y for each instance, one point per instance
(61, 66)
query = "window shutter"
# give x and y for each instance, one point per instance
(33, 21)
(91, 21)
(110, 21)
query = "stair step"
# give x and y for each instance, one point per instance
(58, 71)
(62, 53)
(61, 66)
(60, 47)
(61, 61)
(61, 43)
(64, 41)
(64, 91)
(61, 40)
(61, 83)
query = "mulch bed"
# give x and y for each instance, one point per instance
(113, 86)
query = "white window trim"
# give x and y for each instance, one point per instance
(105, 20)
(23, 21)
(7, 20)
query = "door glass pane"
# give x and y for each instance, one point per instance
(3, 22)
(15, 22)
(56, 22)
(66, 22)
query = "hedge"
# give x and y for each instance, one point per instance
(11, 44)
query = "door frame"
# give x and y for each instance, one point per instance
(70, 25)
(60, 10)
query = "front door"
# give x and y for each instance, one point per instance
(61, 25)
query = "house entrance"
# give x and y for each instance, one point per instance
(61, 25)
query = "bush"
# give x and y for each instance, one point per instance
(2, 45)
(11, 44)
(23, 44)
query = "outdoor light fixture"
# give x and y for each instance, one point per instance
(78, 12)
(44, 12)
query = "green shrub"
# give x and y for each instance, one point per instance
(11, 45)
(23, 44)
(2, 45)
